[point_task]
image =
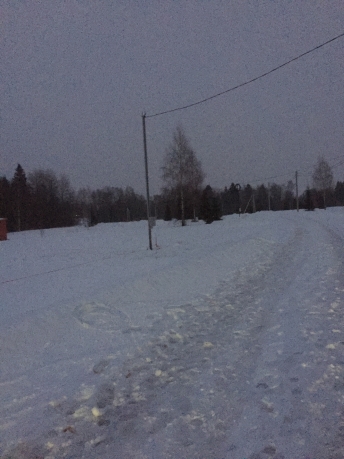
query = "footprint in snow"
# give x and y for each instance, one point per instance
(101, 316)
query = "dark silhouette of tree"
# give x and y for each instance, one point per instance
(168, 213)
(207, 205)
(158, 207)
(210, 205)
(45, 201)
(83, 206)
(66, 203)
(136, 204)
(261, 198)
(226, 202)
(309, 205)
(110, 204)
(231, 200)
(169, 197)
(276, 197)
(6, 203)
(217, 211)
(288, 201)
(339, 193)
(20, 199)
(247, 199)
(234, 192)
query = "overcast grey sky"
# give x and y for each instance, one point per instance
(76, 76)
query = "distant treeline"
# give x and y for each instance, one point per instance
(247, 199)
(43, 200)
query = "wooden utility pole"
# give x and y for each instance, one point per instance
(297, 192)
(181, 188)
(147, 181)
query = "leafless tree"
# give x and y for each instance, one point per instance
(181, 169)
(323, 177)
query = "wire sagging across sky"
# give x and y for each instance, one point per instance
(247, 82)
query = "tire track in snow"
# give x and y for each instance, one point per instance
(238, 374)
(171, 384)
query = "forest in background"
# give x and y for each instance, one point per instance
(43, 200)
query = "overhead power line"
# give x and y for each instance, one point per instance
(289, 174)
(246, 82)
(338, 164)
(262, 180)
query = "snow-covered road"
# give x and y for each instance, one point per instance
(227, 342)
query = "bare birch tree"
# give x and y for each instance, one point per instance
(181, 169)
(323, 177)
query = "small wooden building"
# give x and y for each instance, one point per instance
(3, 229)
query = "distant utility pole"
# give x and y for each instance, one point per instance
(253, 203)
(269, 196)
(297, 192)
(147, 181)
(238, 188)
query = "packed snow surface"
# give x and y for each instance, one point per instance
(224, 342)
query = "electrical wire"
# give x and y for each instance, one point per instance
(246, 82)
(338, 164)
(271, 178)
(300, 174)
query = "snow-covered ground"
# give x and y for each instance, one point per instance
(225, 341)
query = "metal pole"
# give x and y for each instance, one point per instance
(253, 203)
(297, 192)
(147, 181)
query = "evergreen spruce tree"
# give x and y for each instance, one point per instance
(309, 200)
(339, 193)
(210, 205)
(5, 198)
(20, 198)
(216, 207)
(235, 198)
(168, 213)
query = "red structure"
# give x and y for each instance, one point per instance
(3, 229)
